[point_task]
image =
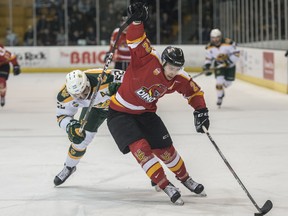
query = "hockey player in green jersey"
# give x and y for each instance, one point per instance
(224, 54)
(76, 94)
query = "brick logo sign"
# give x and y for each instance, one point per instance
(268, 65)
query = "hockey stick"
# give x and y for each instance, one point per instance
(206, 72)
(268, 205)
(108, 61)
(209, 71)
(203, 72)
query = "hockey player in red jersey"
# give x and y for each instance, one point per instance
(6, 58)
(122, 53)
(132, 118)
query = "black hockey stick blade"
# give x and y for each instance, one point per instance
(268, 205)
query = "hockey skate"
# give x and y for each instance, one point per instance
(63, 175)
(174, 194)
(194, 187)
(2, 101)
(220, 100)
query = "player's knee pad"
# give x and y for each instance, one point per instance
(172, 160)
(75, 153)
(140, 150)
(165, 154)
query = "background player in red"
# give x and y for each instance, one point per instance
(132, 118)
(6, 59)
(122, 54)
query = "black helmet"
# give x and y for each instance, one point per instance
(173, 55)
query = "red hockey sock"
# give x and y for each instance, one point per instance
(2, 87)
(173, 161)
(141, 150)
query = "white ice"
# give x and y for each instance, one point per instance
(250, 129)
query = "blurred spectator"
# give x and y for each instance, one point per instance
(60, 37)
(151, 26)
(29, 36)
(75, 38)
(41, 23)
(84, 6)
(194, 38)
(46, 38)
(77, 23)
(104, 36)
(205, 35)
(166, 29)
(108, 16)
(11, 38)
(91, 36)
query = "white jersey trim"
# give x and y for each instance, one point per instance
(127, 104)
(149, 164)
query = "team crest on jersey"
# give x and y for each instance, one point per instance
(157, 71)
(151, 94)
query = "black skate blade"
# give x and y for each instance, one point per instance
(268, 205)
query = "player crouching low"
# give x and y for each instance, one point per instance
(76, 94)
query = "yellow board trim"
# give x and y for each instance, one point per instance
(280, 87)
(276, 86)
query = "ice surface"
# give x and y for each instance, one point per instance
(250, 129)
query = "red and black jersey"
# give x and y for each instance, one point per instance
(6, 57)
(144, 81)
(122, 52)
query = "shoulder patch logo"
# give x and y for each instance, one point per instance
(157, 71)
(64, 93)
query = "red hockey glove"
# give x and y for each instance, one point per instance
(16, 70)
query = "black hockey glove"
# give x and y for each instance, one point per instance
(206, 67)
(16, 70)
(201, 118)
(140, 11)
(73, 132)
